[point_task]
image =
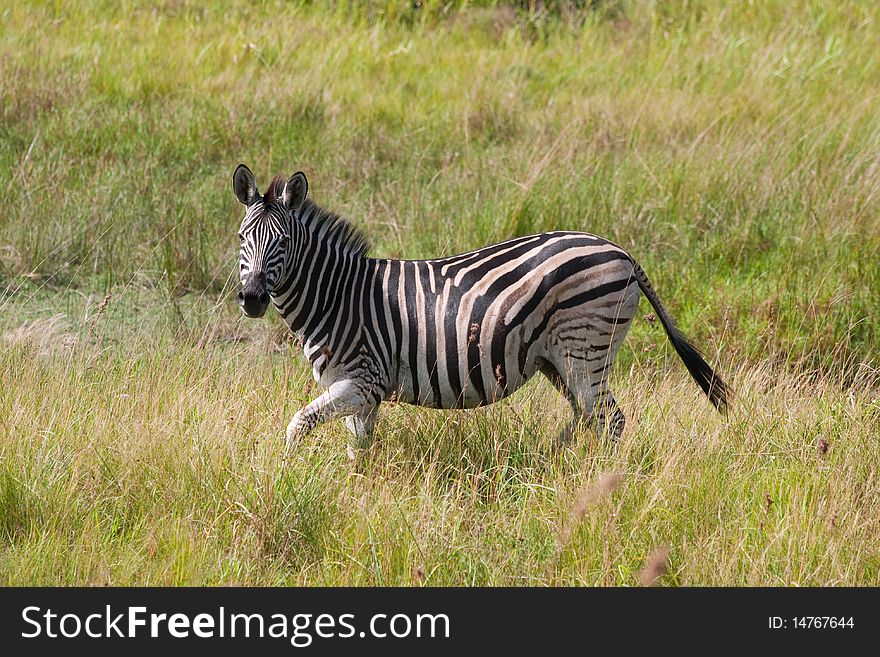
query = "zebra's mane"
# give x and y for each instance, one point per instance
(275, 191)
(323, 224)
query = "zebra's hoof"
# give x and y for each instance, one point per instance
(295, 431)
(363, 442)
(565, 437)
(358, 446)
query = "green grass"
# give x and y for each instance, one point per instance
(732, 148)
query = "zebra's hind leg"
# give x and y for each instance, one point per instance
(610, 420)
(361, 426)
(591, 401)
(580, 397)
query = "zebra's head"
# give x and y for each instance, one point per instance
(265, 235)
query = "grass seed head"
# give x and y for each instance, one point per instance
(655, 567)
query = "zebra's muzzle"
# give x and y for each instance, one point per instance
(253, 297)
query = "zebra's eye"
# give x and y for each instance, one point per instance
(283, 241)
(241, 237)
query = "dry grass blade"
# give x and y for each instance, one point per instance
(44, 334)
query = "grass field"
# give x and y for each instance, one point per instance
(732, 148)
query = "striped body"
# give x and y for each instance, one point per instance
(468, 330)
(456, 332)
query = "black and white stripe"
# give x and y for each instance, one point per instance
(457, 332)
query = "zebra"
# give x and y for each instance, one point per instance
(457, 332)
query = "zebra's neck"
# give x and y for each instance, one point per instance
(319, 297)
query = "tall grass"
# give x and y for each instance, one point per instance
(732, 148)
(160, 460)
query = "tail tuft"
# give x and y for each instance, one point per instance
(717, 391)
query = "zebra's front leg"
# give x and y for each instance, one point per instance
(361, 426)
(342, 398)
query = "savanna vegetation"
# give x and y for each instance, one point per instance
(732, 147)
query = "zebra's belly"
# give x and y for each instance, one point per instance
(467, 398)
(474, 375)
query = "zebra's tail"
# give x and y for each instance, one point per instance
(717, 391)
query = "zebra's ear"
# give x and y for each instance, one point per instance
(295, 191)
(244, 185)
